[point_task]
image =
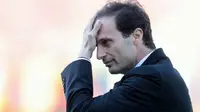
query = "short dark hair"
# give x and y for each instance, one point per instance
(128, 17)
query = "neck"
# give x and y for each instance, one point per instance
(142, 52)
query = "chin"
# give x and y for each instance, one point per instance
(118, 69)
(113, 70)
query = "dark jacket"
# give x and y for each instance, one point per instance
(153, 87)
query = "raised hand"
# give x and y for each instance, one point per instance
(89, 39)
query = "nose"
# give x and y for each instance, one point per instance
(100, 53)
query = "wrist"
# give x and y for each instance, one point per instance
(84, 53)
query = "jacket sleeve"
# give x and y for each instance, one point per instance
(133, 94)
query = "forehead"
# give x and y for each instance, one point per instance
(108, 28)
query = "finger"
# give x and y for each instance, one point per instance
(90, 24)
(96, 28)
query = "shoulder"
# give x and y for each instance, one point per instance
(154, 75)
(147, 71)
(152, 70)
(148, 74)
(143, 75)
(145, 86)
(143, 79)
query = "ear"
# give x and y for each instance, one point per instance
(137, 35)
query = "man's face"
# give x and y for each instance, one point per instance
(117, 53)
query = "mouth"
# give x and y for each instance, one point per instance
(108, 63)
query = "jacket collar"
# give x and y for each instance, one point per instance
(155, 57)
(158, 56)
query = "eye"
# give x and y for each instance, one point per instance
(105, 43)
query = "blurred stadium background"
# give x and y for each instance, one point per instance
(38, 38)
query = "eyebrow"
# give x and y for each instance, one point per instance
(103, 39)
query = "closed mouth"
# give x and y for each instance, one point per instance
(108, 63)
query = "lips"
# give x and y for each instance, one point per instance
(108, 63)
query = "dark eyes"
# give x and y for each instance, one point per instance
(105, 43)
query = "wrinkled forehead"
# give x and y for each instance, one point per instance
(108, 28)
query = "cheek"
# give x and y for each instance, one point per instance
(117, 53)
(124, 54)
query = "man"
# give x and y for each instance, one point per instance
(122, 34)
